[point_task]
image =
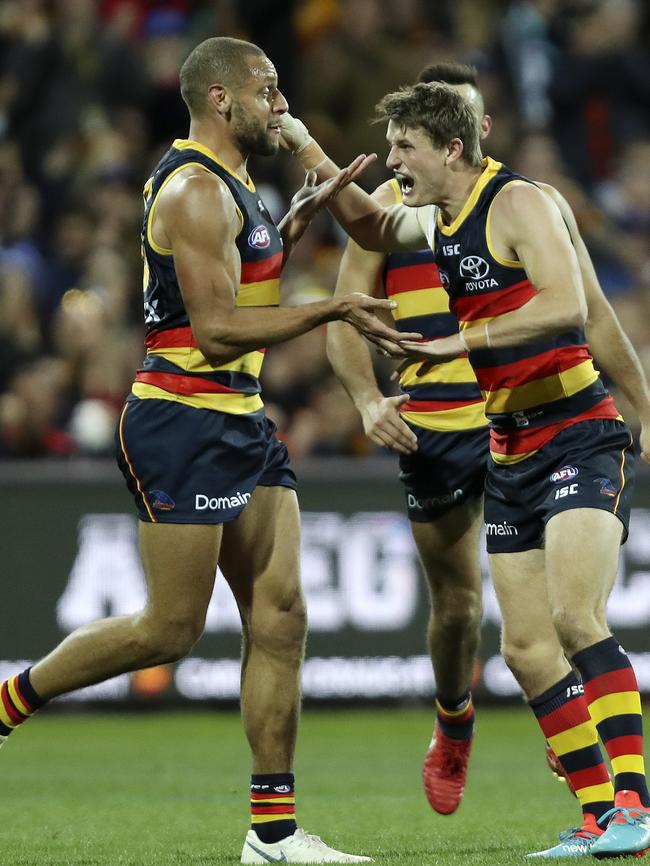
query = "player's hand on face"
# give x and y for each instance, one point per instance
(294, 135)
(384, 425)
(364, 311)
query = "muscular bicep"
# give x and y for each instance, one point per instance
(528, 227)
(202, 222)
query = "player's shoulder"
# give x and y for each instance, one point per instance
(195, 193)
(521, 198)
(388, 193)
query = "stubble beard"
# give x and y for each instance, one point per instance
(252, 139)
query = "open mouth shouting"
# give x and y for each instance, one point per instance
(406, 183)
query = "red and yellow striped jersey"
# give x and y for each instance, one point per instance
(447, 397)
(174, 367)
(531, 391)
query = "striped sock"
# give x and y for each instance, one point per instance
(456, 718)
(273, 806)
(563, 716)
(612, 695)
(18, 701)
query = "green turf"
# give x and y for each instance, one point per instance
(173, 789)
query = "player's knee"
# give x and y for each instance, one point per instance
(168, 639)
(526, 658)
(577, 629)
(279, 626)
(457, 608)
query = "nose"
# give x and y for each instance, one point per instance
(392, 161)
(280, 104)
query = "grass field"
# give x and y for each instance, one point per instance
(173, 789)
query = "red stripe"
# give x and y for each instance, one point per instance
(267, 269)
(183, 384)
(14, 714)
(289, 809)
(530, 369)
(172, 338)
(522, 441)
(591, 776)
(568, 716)
(436, 405)
(410, 278)
(493, 303)
(630, 744)
(622, 680)
(257, 796)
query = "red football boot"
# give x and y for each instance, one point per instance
(445, 771)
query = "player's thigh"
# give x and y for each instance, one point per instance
(180, 563)
(582, 552)
(260, 552)
(449, 547)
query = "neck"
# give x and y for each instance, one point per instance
(462, 181)
(221, 145)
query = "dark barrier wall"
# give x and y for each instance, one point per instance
(68, 541)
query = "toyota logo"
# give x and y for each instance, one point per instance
(474, 267)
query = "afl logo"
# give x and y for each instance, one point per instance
(474, 267)
(259, 238)
(564, 474)
(444, 279)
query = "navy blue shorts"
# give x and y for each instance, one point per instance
(186, 465)
(587, 465)
(447, 470)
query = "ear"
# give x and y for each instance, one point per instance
(454, 151)
(486, 126)
(220, 99)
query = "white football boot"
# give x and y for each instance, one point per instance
(300, 847)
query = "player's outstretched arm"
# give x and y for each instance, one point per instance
(198, 221)
(372, 226)
(350, 358)
(607, 339)
(525, 226)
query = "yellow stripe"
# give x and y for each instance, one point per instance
(545, 390)
(15, 697)
(4, 718)
(266, 819)
(279, 801)
(578, 737)
(128, 461)
(263, 294)
(451, 714)
(617, 704)
(490, 168)
(464, 418)
(508, 263)
(420, 302)
(457, 372)
(163, 251)
(193, 361)
(503, 459)
(595, 793)
(393, 183)
(231, 404)
(618, 498)
(628, 764)
(188, 144)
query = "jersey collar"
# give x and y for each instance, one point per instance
(188, 144)
(490, 168)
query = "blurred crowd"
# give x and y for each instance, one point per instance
(89, 102)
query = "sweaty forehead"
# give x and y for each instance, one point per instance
(262, 70)
(397, 132)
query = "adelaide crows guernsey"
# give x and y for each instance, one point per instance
(447, 397)
(531, 391)
(174, 367)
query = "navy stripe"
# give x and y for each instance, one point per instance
(243, 382)
(430, 325)
(500, 357)
(626, 725)
(554, 697)
(409, 258)
(27, 690)
(444, 391)
(581, 759)
(630, 782)
(551, 413)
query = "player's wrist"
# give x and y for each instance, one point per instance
(311, 156)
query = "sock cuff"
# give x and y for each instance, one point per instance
(601, 658)
(273, 780)
(555, 697)
(457, 705)
(28, 692)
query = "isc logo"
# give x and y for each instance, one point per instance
(259, 237)
(451, 249)
(569, 490)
